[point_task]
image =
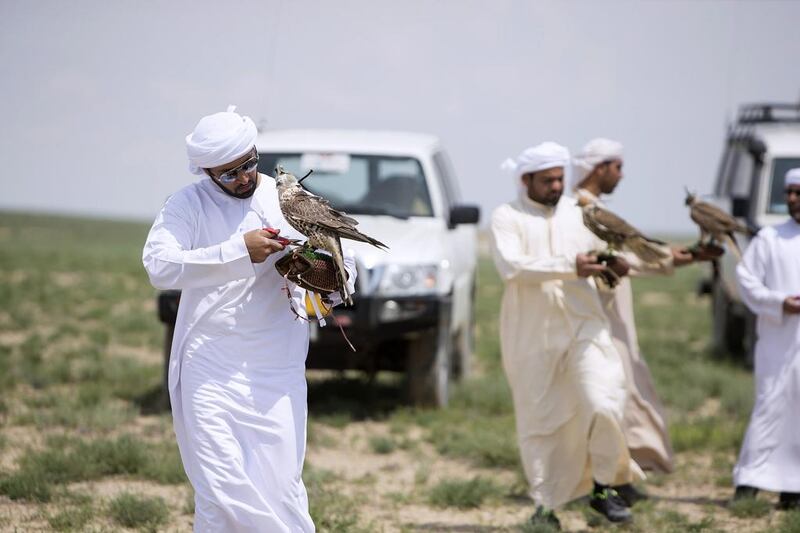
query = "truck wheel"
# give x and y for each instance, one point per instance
(750, 338)
(732, 335)
(464, 344)
(428, 370)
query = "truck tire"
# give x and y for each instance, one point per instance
(750, 338)
(734, 328)
(464, 344)
(727, 337)
(464, 348)
(428, 371)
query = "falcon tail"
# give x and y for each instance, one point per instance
(646, 249)
(338, 260)
(355, 235)
(730, 240)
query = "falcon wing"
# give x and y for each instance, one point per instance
(713, 219)
(613, 223)
(317, 210)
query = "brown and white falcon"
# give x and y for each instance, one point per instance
(715, 224)
(324, 226)
(619, 235)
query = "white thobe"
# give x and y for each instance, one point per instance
(768, 273)
(237, 368)
(566, 377)
(644, 423)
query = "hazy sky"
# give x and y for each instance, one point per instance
(97, 96)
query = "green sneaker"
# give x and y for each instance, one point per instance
(545, 517)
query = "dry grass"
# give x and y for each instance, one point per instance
(85, 446)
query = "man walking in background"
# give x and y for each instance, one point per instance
(237, 368)
(566, 378)
(598, 171)
(769, 279)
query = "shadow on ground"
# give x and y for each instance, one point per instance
(355, 396)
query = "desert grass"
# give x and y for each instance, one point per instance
(86, 444)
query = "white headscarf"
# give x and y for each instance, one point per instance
(219, 139)
(595, 152)
(539, 157)
(792, 177)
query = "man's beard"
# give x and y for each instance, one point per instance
(241, 195)
(795, 214)
(550, 201)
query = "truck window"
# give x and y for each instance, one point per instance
(780, 165)
(725, 169)
(359, 184)
(742, 176)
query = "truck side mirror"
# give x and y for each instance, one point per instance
(740, 207)
(464, 214)
(757, 149)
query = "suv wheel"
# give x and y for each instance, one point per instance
(728, 332)
(464, 344)
(734, 332)
(428, 369)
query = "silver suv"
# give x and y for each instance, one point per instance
(761, 146)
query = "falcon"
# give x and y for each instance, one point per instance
(618, 234)
(715, 224)
(323, 226)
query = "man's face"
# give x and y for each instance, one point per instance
(545, 186)
(793, 201)
(245, 183)
(609, 174)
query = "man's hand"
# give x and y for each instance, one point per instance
(791, 305)
(706, 252)
(587, 265)
(260, 244)
(682, 256)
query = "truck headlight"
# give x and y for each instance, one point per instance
(409, 280)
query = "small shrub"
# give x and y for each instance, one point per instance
(463, 494)
(382, 445)
(790, 522)
(163, 465)
(529, 527)
(484, 441)
(26, 485)
(71, 519)
(330, 510)
(749, 508)
(131, 510)
(188, 505)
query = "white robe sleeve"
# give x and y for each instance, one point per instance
(751, 276)
(171, 263)
(513, 264)
(639, 268)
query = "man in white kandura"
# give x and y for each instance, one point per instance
(566, 377)
(597, 171)
(769, 280)
(237, 368)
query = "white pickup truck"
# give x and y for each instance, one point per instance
(760, 147)
(413, 309)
